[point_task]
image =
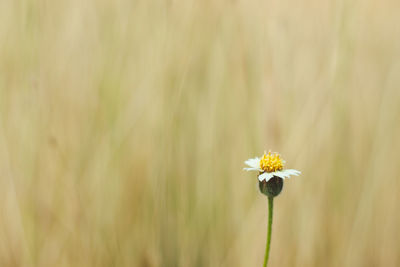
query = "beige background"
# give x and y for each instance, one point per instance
(124, 126)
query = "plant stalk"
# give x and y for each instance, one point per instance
(270, 214)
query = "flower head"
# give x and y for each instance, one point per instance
(271, 162)
(269, 165)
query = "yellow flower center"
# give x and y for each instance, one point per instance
(271, 162)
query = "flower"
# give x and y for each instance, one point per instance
(269, 165)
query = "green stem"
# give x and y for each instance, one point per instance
(270, 213)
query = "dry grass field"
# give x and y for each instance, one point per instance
(124, 126)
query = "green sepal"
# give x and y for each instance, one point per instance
(272, 188)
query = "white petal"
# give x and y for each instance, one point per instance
(253, 163)
(287, 173)
(265, 176)
(252, 169)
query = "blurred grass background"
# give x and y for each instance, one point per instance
(124, 126)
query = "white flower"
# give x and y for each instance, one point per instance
(269, 165)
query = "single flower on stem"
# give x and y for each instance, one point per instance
(270, 175)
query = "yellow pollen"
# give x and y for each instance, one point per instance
(271, 162)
